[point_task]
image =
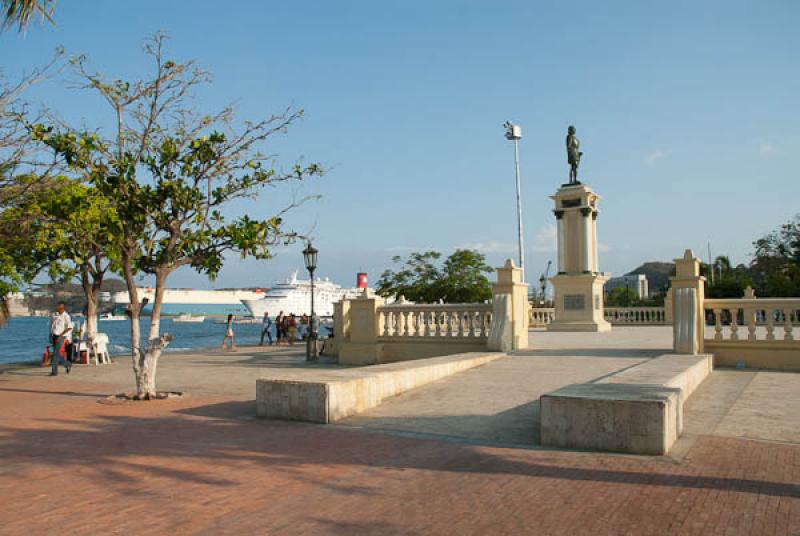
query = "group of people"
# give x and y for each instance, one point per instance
(288, 328)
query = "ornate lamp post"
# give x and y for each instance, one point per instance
(514, 133)
(310, 258)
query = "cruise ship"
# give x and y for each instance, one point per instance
(294, 296)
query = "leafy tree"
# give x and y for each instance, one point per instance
(168, 173)
(20, 12)
(776, 261)
(460, 279)
(67, 228)
(621, 297)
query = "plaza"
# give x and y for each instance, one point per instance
(457, 456)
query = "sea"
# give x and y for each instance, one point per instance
(23, 339)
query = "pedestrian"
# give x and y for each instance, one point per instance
(266, 329)
(229, 335)
(279, 333)
(60, 335)
(292, 328)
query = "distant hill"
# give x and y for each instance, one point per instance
(657, 274)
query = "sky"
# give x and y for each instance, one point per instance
(687, 113)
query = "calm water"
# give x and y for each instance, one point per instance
(24, 339)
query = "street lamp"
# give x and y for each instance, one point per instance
(310, 258)
(514, 133)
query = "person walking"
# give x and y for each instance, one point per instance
(266, 329)
(292, 329)
(279, 332)
(60, 334)
(229, 335)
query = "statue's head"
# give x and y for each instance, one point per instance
(571, 130)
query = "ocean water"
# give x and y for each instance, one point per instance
(24, 339)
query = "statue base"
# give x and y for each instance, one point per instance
(579, 303)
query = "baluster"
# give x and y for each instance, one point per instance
(385, 315)
(787, 325)
(405, 323)
(460, 323)
(426, 320)
(482, 323)
(472, 324)
(734, 323)
(770, 324)
(437, 319)
(448, 316)
(750, 317)
(416, 318)
(717, 324)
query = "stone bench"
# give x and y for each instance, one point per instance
(637, 410)
(327, 395)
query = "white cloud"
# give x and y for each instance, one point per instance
(494, 246)
(767, 149)
(655, 156)
(546, 239)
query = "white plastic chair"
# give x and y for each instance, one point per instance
(100, 349)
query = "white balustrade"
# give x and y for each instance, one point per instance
(637, 316)
(464, 321)
(540, 316)
(760, 316)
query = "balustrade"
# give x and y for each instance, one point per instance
(642, 316)
(759, 316)
(540, 316)
(435, 320)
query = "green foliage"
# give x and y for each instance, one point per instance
(621, 297)
(776, 263)
(459, 279)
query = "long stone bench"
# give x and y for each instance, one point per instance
(327, 395)
(637, 410)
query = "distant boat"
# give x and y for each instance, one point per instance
(189, 318)
(111, 316)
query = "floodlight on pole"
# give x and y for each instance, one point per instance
(514, 133)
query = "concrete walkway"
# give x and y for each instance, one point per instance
(499, 402)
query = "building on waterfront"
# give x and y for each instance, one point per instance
(634, 282)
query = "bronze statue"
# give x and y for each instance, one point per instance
(573, 155)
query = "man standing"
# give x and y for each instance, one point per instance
(266, 329)
(60, 335)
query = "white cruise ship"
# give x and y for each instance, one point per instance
(294, 296)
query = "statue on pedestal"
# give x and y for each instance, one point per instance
(573, 155)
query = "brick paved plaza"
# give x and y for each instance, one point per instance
(72, 462)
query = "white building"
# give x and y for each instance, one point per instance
(634, 282)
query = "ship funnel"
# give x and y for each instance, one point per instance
(361, 280)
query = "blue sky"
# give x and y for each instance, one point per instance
(687, 113)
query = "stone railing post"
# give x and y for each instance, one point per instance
(360, 346)
(509, 283)
(687, 305)
(668, 307)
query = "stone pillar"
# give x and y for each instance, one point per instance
(587, 252)
(509, 283)
(596, 266)
(688, 314)
(562, 263)
(364, 322)
(578, 286)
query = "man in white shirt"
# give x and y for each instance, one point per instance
(60, 334)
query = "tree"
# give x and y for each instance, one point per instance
(621, 297)
(776, 261)
(168, 173)
(460, 279)
(20, 12)
(19, 175)
(67, 228)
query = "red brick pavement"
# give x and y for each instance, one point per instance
(71, 465)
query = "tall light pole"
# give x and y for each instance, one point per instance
(514, 133)
(310, 259)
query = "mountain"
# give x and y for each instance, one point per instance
(657, 274)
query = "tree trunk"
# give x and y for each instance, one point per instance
(91, 284)
(146, 361)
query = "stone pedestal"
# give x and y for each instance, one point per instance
(578, 286)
